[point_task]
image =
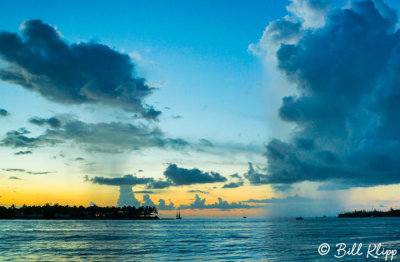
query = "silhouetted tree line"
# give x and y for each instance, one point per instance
(373, 213)
(57, 211)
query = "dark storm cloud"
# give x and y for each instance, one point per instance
(199, 203)
(18, 138)
(158, 184)
(236, 176)
(41, 61)
(3, 112)
(347, 109)
(176, 176)
(233, 184)
(255, 177)
(28, 152)
(119, 181)
(237, 183)
(52, 122)
(182, 176)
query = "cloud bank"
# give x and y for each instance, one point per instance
(346, 109)
(19, 138)
(20, 170)
(199, 203)
(174, 176)
(41, 61)
(119, 181)
(113, 137)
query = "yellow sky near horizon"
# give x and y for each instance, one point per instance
(66, 185)
(72, 190)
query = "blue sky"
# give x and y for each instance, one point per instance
(210, 87)
(187, 45)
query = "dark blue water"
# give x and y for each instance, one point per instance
(191, 239)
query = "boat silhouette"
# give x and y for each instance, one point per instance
(299, 218)
(178, 214)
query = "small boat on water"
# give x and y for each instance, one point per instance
(244, 217)
(299, 218)
(178, 214)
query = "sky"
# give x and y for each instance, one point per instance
(227, 108)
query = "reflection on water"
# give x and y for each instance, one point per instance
(189, 239)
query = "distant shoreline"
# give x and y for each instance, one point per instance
(373, 213)
(140, 218)
(58, 212)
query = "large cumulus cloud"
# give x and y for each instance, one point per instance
(182, 176)
(41, 61)
(347, 108)
(127, 197)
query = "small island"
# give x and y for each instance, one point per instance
(373, 213)
(57, 211)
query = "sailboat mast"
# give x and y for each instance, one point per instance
(178, 213)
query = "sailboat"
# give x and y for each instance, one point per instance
(178, 214)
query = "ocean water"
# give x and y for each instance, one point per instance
(192, 239)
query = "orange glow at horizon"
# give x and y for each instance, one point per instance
(69, 192)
